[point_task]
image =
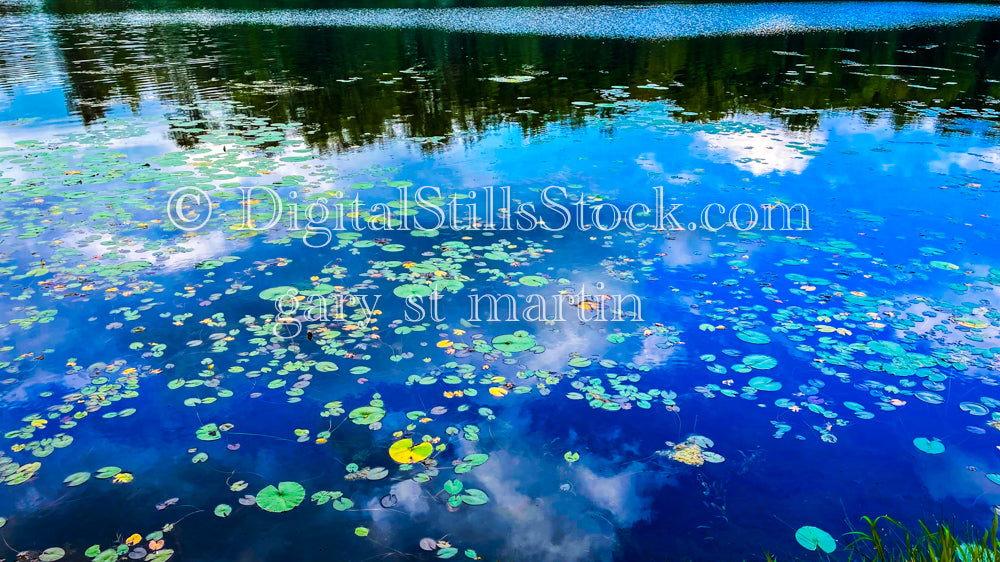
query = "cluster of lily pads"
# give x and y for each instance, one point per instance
(116, 255)
(692, 451)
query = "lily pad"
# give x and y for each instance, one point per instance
(533, 281)
(761, 362)
(752, 336)
(76, 479)
(453, 486)
(366, 415)
(51, 554)
(107, 472)
(812, 538)
(282, 498)
(514, 343)
(930, 446)
(476, 459)
(764, 383)
(473, 496)
(405, 452)
(208, 432)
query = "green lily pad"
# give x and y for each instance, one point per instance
(812, 538)
(930, 446)
(159, 556)
(366, 415)
(476, 459)
(761, 362)
(51, 554)
(109, 555)
(752, 336)
(533, 281)
(514, 343)
(453, 486)
(473, 496)
(342, 504)
(275, 293)
(283, 498)
(76, 479)
(412, 290)
(764, 383)
(208, 432)
(107, 472)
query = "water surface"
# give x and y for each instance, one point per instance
(149, 373)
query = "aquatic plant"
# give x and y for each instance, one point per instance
(692, 451)
(817, 332)
(940, 544)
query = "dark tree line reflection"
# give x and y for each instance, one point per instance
(350, 87)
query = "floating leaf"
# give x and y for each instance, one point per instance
(453, 486)
(812, 538)
(342, 504)
(930, 446)
(160, 556)
(533, 281)
(283, 498)
(366, 415)
(513, 343)
(76, 478)
(751, 336)
(974, 408)
(378, 473)
(473, 496)
(208, 432)
(761, 362)
(764, 383)
(109, 555)
(51, 554)
(476, 459)
(405, 452)
(407, 291)
(107, 472)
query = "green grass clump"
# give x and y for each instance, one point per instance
(893, 542)
(940, 545)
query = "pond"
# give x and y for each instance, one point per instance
(293, 281)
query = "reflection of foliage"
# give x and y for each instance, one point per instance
(85, 6)
(360, 86)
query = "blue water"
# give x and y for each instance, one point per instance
(843, 370)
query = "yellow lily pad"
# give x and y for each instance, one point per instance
(405, 452)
